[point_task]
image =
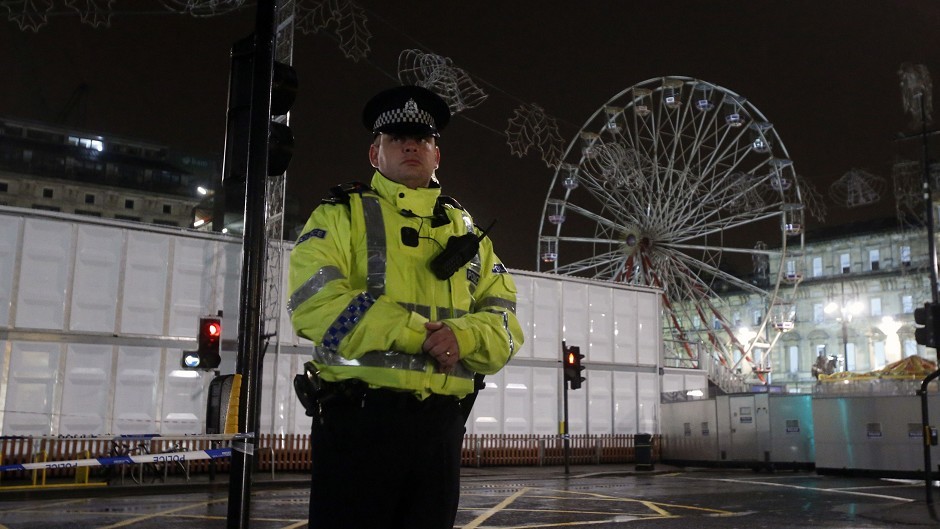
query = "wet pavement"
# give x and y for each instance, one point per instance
(604, 496)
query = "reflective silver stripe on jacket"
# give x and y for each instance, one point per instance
(376, 258)
(384, 359)
(313, 285)
(512, 346)
(493, 301)
(442, 312)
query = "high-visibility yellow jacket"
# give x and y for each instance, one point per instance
(361, 288)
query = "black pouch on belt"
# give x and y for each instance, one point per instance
(309, 388)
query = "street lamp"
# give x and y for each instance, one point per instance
(845, 312)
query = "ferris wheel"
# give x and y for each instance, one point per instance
(682, 185)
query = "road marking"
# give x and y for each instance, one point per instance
(161, 513)
(493, 510)
(801, 487)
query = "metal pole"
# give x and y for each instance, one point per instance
(250, 322)
(564, 430)
(928, 204)
(925, 421)
(932, 252)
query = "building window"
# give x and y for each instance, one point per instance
(905, 256)
(47, 192)
(873, 259)
(821, 350)
(166, 223)
(845, 263)
(850, 357)
(907, 304)
(45, 208)
(696, 322)
(880, 360)
(875, 304)
(89, 198)
(128, 203)
(87, 212)
(755, 317)
(794, 357)
(167, 209)
(716, 324)
(127, 217)
(819, 312)
(4, 187)
(817, 267)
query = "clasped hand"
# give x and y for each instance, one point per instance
(441, 344)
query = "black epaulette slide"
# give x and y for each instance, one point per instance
(450, 201)
(340, 194)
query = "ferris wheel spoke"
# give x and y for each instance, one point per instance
(675, 179)
(590, 215)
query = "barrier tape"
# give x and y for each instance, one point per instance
(134, 437)
(168, 457)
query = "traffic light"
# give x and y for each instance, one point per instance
(241, 95)
(929, 317)
(572, 366)
(209, 341)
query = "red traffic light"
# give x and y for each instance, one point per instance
(212, 329)
(209, 342)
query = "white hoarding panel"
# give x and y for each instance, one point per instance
(183, 410)
(137, 390)
(601, 403)
(145, 283)
(625, 327)
(545, 386)
(625, 405)
(278, 401)
(648, 332)
(673, 381)
(601, 324)
(647, 391)
(31, 389)
(517, 400)
(574, 310)
(188, 285)
(86, 395)
(525, 290)
(97, 274)
(44, 275)
(578, 410)
(487, 414)
(545, 340)
(10, 228)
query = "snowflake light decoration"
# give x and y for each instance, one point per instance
(857, 188)
(531, 127)
(202, 8)
(347, 20)
(439, 75)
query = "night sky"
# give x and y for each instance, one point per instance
(824, 72)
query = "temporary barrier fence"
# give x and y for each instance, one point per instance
(153, 460)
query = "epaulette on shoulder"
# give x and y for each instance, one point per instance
(340, 194)
(450, 201)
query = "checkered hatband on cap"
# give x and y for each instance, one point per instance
(410, 113)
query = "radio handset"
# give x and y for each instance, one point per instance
(458, 252)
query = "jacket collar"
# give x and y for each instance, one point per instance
(419, 201)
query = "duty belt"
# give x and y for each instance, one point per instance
(384, 359)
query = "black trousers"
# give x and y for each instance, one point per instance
(384, 459)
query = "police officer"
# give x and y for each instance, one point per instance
(405, 302)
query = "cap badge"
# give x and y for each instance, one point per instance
(411, 108)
